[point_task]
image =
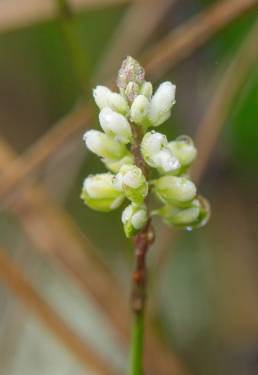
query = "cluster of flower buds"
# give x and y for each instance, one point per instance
(136, 108)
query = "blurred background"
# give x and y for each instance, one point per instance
(64, 269)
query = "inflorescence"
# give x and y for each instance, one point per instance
(127, 118)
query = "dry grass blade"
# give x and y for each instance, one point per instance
(45, 147)
(181, 42)
(15, 280)
(16, 13)
(55, 234)
(227, 91)
(129, 39)
(230, 84)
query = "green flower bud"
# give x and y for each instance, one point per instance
(130, 71)
(146, 89)
(104, 146)
(194, 216)
(132, 182)
(139, 110)
(115, 125)
(99, 193)
(155, 151)
(114, 166)
(180, 216)
(183, 149)
(175, 190)
(134, 219)
(204, 214)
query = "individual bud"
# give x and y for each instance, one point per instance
(155, 151)
(130, 71)
(115, 165)
(166, 162)
(161, 103)
(134, 218)
(175, 190)
(204, 214)
(163, 116)
(131, 91)
(103, 145)
(194, 216)
(139, 110)
(181, 217)
(106, 98)
(101, 95)
(146, 89)
(99, 193)
(132, 182)
(118, 103)
(115, 125)
(184, 150)
(152, 143)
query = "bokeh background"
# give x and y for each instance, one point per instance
(64, 269)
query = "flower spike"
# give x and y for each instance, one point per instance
(133, 152)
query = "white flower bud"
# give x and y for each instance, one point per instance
(175, 190)
(165, 162)
(163, 116)
(115, 165)
(103, 145)
(115, 125)
(161, 103)
(156, 153)
(106, 98)
(101, 95)
(131, 180)
(183, 149)
(139, 110)
(99, 193)
(118, 104)
(146, 89)
(152, 143)
(134, 219)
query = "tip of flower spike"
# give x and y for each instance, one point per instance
(130, 71)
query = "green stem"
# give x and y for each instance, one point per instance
(136, 367)
(74, 44)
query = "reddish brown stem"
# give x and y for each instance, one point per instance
(143, 239)
(136, 150)
(142, 242)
